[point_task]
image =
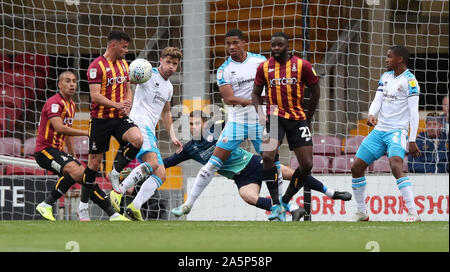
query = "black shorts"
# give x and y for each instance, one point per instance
(297, 132)
(101, 130)
(54, 160)
(252, 173)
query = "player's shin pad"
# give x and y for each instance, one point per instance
(124, 156)
(271, 180)
(88, 184)
(61, 187)
(297, 181)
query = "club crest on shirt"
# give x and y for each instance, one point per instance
(93, 73)
(294, 68)
(220, 74)
(55, 108)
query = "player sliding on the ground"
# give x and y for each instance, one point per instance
(242, 167)
(152, 101)
(397, 104)
(235, 80)
(55, 129)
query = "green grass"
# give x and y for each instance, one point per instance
(190, 236)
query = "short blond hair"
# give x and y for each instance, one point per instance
(173, 52)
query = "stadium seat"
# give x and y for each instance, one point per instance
(321, 164)
(81, 145)
(10, 146)
(28, 147)
(103, 183)
(9, 121)
(21, 170)
(11, 97)
(342, 164)
(5, 62)
(33, 62)
(352, 144)
(327, 145)
(38, 64)
(22, 85)
(381, 165)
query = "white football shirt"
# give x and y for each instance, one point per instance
(149, 100)
(394, 112)
(241, 77)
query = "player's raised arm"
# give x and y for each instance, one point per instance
(175, 159)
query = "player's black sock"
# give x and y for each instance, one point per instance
(271, 179)
(88, 184)
(100, 198)
(264, 203)
(62, 185)
(124, 156)
(297, 182)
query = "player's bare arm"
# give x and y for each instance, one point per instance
(166, 117)
(257, 101)
(314, 99)
(98, 98)
(230, 99)
(129, 97)
(58, 125)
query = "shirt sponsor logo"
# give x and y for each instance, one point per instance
(283, 81)
(116, 80)
(68, 121)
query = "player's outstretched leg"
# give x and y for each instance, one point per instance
(202, 180)
(139, 173)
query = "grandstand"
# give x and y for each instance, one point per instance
(345, 40)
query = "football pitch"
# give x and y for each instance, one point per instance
(224, 236)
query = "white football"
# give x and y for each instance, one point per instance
(140, 71)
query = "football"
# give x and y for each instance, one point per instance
(140, 71)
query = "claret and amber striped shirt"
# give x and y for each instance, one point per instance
(285, 85)
(56, 106)
(113, 77)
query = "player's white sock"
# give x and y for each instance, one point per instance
(329, 192)
(148, 188)
(114, 173)
(203, 178)
(404, 185)
(83, 206)
(359, 190)
(139, 173)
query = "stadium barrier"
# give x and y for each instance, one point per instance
(221, 200)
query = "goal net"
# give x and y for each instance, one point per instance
(346, 41)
